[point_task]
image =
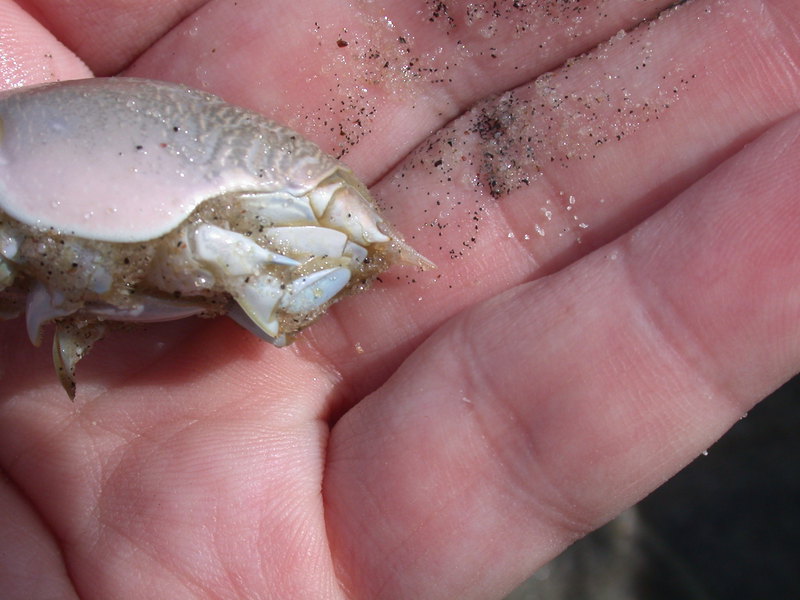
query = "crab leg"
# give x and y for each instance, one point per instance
(145, 309)
(235, 258)
(258, 300)
(71, 342)
(246, 320)
(231, 252)
(42, 307)
(73, 339)
(309, 293)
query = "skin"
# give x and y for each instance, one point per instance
(450, 431)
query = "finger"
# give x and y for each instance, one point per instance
(577, 158)
(609, 377)
(173, 481)
(32, 566)
(29, 53)
(371, 79)
(109, 35)
(500, 25)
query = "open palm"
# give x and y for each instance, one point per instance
(616, 238)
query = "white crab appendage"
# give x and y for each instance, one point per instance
(127, 200)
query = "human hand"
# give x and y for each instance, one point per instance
(616, 287)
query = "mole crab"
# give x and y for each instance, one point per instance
(129, 200)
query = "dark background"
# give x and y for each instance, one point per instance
(726, 527)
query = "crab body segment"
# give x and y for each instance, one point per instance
(129, 200)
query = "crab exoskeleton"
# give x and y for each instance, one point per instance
(127, 200)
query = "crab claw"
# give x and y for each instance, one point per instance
(71, 342)
(257, 302)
